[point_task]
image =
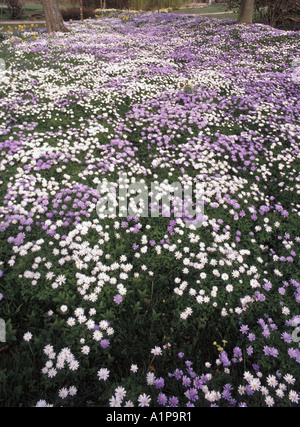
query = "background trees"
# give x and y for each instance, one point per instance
(246, 12)
(270, 12)
(15, 8)
(53, 16)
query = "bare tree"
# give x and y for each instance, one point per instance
(246, 12)
(81, 9)
(54, 20)
(15, 8)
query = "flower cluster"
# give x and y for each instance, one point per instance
(108, 112)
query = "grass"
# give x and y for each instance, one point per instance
(30, 10)
(150, 312)
(223, 16)
(214, 8)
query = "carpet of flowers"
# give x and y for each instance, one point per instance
(133, 311)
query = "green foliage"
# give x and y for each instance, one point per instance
(271, 12)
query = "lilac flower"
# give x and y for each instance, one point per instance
(244, 329)
(186, 381)
(250, 351)
(178, 374)
(251, 337)
(197, 383)
(224, 359)
(192, 394)
(159, 383)
(162, 399)
(104, 343)
(118, 299)
(237, 352)
(173, 402)
(270, 351)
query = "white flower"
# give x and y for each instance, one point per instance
(150, 378)
(27, 337)
(241, 390)
(293, 396)
(71, 321)
(103, 374)
(255, 384)
(103, 324)
(63, 393)
(72, 391)
(144, 400)
(97, 335)
(115, 402)
(134, 368)
(269, 401)
(279, 393)
(248, 377)
(120, 392)
(48, 349)
(157, 351)
(52, 373)
(272, 381)
(73, 365)
(289, 379)
(286, 311)
(85, 350)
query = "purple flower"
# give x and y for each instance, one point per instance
(250, 351)
(192, 394)
(244, 329)
(251, 337)
(198, 383)
(173, 402)
(186, 381)
(178, 374)
(162, 399)
(104, 343)
(270, 351)
(118, 299)
(237, 352)
(224, 359)
(159, 383)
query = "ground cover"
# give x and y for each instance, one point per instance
(111, 307)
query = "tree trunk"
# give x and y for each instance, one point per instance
(246, 12)
(54, 20)
(81, 9)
